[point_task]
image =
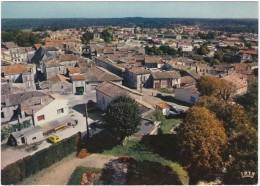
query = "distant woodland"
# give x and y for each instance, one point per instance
(226, 25)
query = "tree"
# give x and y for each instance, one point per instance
(122, 117)
(106, 35)
(157, 115)
(250, 102)
(243, 154)
(202, 137)
(203, 50)
(86, 37)
(233, 116)
(208, 85)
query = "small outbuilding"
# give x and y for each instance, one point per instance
(25, 137)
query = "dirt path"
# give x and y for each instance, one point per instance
(59, 173)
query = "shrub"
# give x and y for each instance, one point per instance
(11, 174)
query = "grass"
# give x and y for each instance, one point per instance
(76, 176)
(134, 149)
(168, 125)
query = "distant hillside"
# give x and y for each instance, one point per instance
(243, 25)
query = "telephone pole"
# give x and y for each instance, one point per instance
(86, 109)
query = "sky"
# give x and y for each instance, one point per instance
(129, 9)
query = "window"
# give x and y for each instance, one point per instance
(2, 115)
(61, 87)
(39, 118)
(59, 111)
(34, 138)
(103, 99)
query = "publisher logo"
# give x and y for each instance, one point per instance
(247, 174)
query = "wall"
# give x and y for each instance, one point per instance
(15, 78)
(50, 111)
(184, 95)
(78, 83)
(102, 100)
(29, 139)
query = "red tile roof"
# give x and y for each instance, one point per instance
(73, 69)
(68, 57)
(248, 52)
(163, 105)
(14, 69)
(78, 77)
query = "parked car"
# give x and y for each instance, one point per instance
(54, 139)
(159, 95)
(175, 109)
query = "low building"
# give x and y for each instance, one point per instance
(97, 75)
(107, 90)
(239, 82)
(187, 94)
(26, 137)
(57, 84)
(25, 74)
(137, 77)
(78, 84)
(165, 79)
(164, 107)
(185, 47)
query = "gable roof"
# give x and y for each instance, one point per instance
(139, 71)
(113, 89)
(67, 57)
(163, 105)
(14, 69)
(252, 52)
(166, 75)
(100, 74)
(10, 45)
(236, 81)
(78, 77)
(74, 70)
(27, 132)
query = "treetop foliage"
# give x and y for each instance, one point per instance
(122, 117)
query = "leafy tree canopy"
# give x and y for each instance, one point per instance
(122, 117)
(202, 137)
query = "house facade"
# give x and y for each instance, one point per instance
(78, 84)
(165, 79)
(187, 94)
(137, 77)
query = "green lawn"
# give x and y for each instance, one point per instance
(168, 125)
(133, 148)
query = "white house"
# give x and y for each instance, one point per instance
(187, 94)
(185, 47)
(51, 110)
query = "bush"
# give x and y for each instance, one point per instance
(29, 165)
(157, 115)
(11, 174)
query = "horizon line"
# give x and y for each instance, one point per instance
(128, 17)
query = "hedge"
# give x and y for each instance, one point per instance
(29, 165)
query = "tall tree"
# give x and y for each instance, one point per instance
(202, 137)
(122, 117)
(250, 102)
(86, 37)
(212, 86)
(106, 35)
